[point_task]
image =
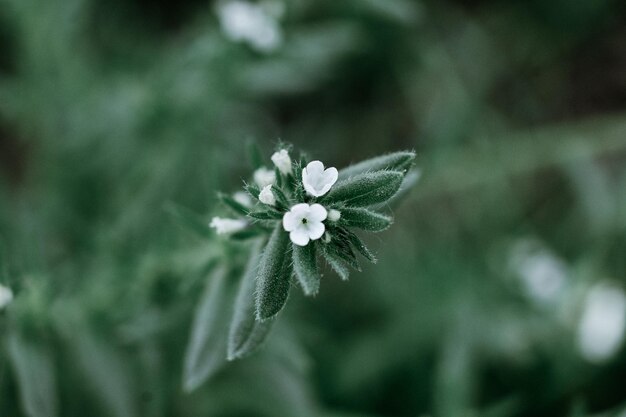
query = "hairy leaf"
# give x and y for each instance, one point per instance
(265, 215)
(189, 220)
(234, 205)
(397, 161)
(365, 219)
(206, 351)
(305, 267)
(339, 246)
(337, 264)
(366, 189)
(360, 246)
(246, 334)
(35, 373)
(272, 282)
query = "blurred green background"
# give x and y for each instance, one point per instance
(499, 290)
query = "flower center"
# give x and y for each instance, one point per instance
(305, 221)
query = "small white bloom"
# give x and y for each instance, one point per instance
(304, 223)
(225, 226)
(243, 198)
(601, 329)
(282, 161)
(266, 196)
(242, 21)
(264, 177)
(334, 215)
(6, 296)
(317, 180)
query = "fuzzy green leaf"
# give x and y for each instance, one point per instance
(365, 219)
(366, 189)
(189, 220)
(305, 267)
(206, 351)
(339, 246)
(360, 246)
(247, 334)
(397, 161)
(281, 199)
(34, 368)
(265, 215)
(337, 264)
(272, 282)
(235, 206)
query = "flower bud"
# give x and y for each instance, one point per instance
(334, 215)
(226, 226)
(282, 161)
(264, 176)
(266, 196)
(6, 296)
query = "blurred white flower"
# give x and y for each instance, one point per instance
(304, 223)
(317, 180)
(334, 215)
(6, 296)
(225, 226)
(282, 161)
(242, 21)
(266, 196)
(264, 177)
(243, 198)
(601, 328)
(542, 274)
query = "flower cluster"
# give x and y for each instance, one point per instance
(299, 211)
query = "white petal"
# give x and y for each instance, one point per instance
(316, 230)
(301, 210)
(317, 213)
(315, 168)
(290, 222)
(308, 187)
(300, 236)
(330, 176)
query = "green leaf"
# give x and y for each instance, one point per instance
(365, 219)
(252, 190)
(247, 334)
(305, 267)
(206, 350)
(397, 161)
(248, 233)
(235, 206)
(272, 283)
(337, 264)
(189, 220)
(360, 246)
(410, 179)
(34, 368)
(265, 215)
(366, 189)
(339, 246)
(281, 199)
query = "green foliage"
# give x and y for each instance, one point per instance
(365, 219)
(366, 189)
(305, 267)
(512, 217)
(247, 334)
(206, 351)
(274, 275)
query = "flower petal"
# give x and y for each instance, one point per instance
(300, 236)
(315, 168)
(315, 230)
(317, 213)
(330, 176)
(290, 222)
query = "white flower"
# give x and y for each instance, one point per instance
(282, 161)
(225, 226)
(601, 328)
(264, 177)
(334, 215)
(304, 223)
(242, 21)
(243, 198)
(316, 180)
(6, 296)
(266, 196)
